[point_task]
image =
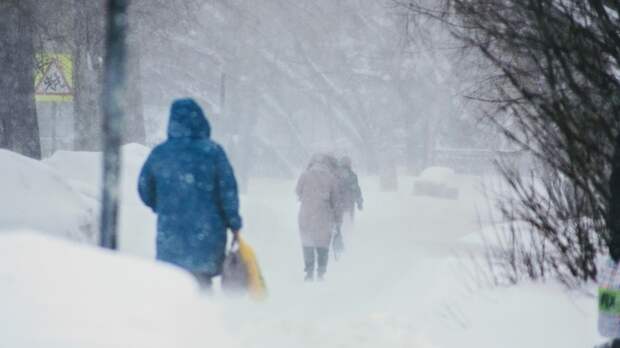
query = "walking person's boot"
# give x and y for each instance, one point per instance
(309, 262)
(323, 257)
(205, 281)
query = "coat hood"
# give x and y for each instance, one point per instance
(345, 162)
(187, 120)
(323, 161)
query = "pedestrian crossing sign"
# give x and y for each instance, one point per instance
(53, 77)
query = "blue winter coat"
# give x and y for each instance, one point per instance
(190, 185)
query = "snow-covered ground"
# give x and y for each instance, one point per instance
(83, 171)
(59, 294)
(405, 280)
(33, 195)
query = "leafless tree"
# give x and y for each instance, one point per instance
(554, 77)
(19, 129)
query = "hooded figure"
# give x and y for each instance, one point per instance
(317, 189)
(350, 193)
(189, 183)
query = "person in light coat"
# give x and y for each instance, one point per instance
(317, 190)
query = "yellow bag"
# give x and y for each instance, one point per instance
(256, 283)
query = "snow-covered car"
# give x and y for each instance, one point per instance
(437, 182)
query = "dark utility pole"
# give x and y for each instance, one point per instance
(113, 94)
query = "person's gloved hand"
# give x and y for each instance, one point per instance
(360, 206)
(235, 236)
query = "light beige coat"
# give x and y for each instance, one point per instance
(317, 189)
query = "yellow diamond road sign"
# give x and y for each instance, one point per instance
(54, 78)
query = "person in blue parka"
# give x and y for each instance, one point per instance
(189, 183)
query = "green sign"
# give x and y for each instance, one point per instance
(609, 301)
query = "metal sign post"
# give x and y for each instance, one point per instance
(53, 80)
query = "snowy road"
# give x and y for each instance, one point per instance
(376, 295)
(402, 282)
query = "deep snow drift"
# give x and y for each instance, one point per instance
(405, 280)
(35, 196)
(83, 171)
(63, 295)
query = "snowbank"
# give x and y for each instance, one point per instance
(61, 196)
(464, 309)
(83, 171)
(38, 197)
(57, 294)
(84, 168)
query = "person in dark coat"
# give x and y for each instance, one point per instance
(189, 183)
(349, 196)
(350, 191)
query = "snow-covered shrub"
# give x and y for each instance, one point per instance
(549, 229)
